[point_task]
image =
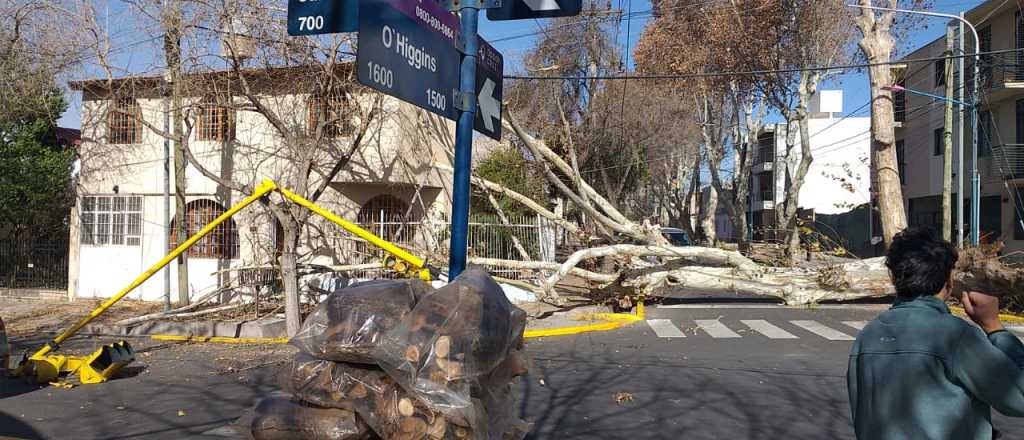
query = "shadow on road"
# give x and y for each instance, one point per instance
(12, 427)
(589, 397)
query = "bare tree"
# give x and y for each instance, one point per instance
(877, 45)
(295, 99)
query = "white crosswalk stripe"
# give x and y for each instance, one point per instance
(765, 328)
(716, 329)
(664, 328)
(823, 331)
(859, 325)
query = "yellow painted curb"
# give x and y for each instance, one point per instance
(220, 340)
(1014, 319)
(612, 322)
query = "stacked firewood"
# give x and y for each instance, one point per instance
(399, 360)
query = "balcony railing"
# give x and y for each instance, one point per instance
(997, 73)
(1008, 161)
(765, 155)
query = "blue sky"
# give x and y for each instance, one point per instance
(512, 38)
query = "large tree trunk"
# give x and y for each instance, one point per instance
(877, 44)
(290, 273)
(708, 206)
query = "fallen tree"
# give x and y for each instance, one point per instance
(653, 266)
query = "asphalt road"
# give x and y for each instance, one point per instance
(724, 372)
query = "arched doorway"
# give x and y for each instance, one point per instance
(389, 217)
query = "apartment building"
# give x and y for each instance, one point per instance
(920, 120)
(839, 177)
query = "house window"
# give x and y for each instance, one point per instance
(991, 218)
(111, 220)
(220, 243)
(901, 161)
(937, 141)
(330, 113)
(214, 122)
(940, 73)
(123, 126)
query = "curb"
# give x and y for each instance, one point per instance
(219, 340)
(1014, 319)
(612, 321)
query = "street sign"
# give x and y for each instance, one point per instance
(407, 50)
(524, 9)
(315, 17)
(489, 70)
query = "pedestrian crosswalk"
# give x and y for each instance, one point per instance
(783, 329)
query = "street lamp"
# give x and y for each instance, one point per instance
(975, 178)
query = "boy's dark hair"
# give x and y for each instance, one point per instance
(919, 262)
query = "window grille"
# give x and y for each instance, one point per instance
(123, 126)
(221, 243)
(332, 111)
(111, 220)
(215, 122)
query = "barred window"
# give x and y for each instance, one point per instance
(123, 126)
(220, 243)
(214, 122)
(332, 111)
(111, 220)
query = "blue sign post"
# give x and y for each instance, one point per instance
(469, 15)
(315, 17)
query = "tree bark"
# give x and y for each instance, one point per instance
(289, 271)
(877, 44)
(708, 207)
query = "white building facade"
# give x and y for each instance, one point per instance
(118, 226)
(839, 178)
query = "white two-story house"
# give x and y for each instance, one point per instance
(120, 222)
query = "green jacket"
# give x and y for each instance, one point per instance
(917, 372)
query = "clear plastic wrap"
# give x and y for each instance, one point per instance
(453, 337)
(329, 384)
(349, 324)
(278, 418)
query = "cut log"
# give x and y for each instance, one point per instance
(278, 418)
(442, 346)
(329, 384)
(405, 407)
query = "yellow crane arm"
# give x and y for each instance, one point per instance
(263, 189)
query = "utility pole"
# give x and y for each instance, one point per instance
(947, 138)
(961, 82)
(172, 54)
(164, 93)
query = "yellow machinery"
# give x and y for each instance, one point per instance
(109, 359)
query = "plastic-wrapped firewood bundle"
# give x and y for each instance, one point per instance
(348, 325)
(279, 418)
(374, 396)
(454, 336)
(411, 363)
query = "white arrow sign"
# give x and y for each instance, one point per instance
(542, 5)
(489, 106)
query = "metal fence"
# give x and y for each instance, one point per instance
(487, 238)
(34, 263)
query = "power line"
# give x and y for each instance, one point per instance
(751, 72)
